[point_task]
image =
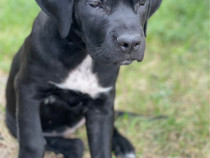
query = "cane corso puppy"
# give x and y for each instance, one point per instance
(64, 75)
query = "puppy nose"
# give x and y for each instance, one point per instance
(129, 42)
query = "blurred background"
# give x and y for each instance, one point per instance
(172, 81)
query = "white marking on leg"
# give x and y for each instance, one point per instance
(129, 155)
(71, 130)
(50, 99)
(67, 132)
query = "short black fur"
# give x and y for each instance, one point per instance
(63, 35)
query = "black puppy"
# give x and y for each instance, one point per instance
(65, 73)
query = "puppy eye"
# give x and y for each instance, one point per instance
(95, 4)
(142, 2)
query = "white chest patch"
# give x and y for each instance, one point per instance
(84, 80)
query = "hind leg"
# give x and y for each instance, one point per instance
(70, 148)
(121, 146)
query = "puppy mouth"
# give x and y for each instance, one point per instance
(124, 62)
(127, 61)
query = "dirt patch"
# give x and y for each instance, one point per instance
(3, 79)
(8, 146)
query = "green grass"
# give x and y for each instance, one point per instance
(172, 80)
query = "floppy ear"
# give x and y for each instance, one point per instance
(153, 7)
(60, 11)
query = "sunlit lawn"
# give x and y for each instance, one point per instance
(172, 80)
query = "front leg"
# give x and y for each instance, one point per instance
(31, 141)
(99, 124)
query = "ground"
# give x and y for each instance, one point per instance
(173, 80)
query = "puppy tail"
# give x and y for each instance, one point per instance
(119, 114)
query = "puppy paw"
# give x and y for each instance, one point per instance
(122, 147)
(127, 155)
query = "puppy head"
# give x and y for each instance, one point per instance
(113, 30)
